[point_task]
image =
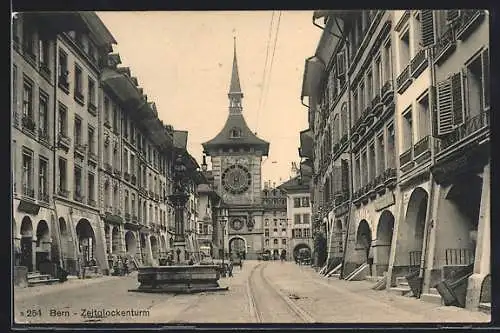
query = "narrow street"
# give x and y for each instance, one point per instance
(264, 292)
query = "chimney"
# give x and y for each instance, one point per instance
(204, 164)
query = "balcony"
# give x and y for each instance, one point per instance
(418, 64)
(108, 167)
(62, 82)
(151, 194)
(107, 124)
(471, 126)
(45, 71)
(126, 176)
(43, 135)
(469, 19)
(92, 202)
(63, 193)
(404, 79)
(78, 197)
(387, 92)
(29, 55)
(78, 96)
(80, 149)
(63, 141)
(135, 219)
(421, 147)
(405, 158)
(92, 109)
(28, 192)
(340, 197)
(92, 156)
(390, 175)
(43, 197)
(157, 197)
(28, 124)
(445, 45)
(118, 212)
(117, 172)
(377, 105)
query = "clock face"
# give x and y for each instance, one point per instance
(236, 179)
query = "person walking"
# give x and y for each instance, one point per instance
(125, 266)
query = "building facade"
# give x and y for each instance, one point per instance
(97, 163)
(236, 155)
(413, 130)
(298, 208)
(276, 224)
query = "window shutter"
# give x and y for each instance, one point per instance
(345, 175)
(486, 79)
(444, 108)
(341, 63)
(434, 109)
(427, 27)
(338, 179)
(457, 98)
(452, 15)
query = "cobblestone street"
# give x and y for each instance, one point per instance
(321, 300)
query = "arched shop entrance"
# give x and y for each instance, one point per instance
(86, 240)
(382, 247)
(27, 243)
(130, 243)
(237, 245)
(42, 243)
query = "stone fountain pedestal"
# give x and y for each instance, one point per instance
(179, 279)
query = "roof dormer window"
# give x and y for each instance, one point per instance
(236, 132)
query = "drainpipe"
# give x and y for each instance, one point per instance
(429, 221)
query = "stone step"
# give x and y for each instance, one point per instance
(403, 284)
(485, 307)
(39, 282)
(372, 278)
(431, 298)
(38, 277)
(434, 291)
(401, 279)
(401, 291)
(335, 276)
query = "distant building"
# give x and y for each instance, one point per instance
(276, 231)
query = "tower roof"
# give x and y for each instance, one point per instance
(235, 87)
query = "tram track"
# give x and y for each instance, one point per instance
(260, 296)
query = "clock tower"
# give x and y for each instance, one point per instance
(236, 155)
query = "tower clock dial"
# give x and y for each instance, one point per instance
(236, 179)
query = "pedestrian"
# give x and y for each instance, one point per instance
(119, 264)
(125, 266)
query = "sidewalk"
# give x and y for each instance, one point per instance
(24, 293)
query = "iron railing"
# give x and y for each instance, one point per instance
(418, 63)
(403, 78)
(469, 127)
(421, 146)
(406, 157)
(459, 257)
(444, 42)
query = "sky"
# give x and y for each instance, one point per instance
(183, 62)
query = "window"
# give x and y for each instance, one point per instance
(266, 222)
(44, 53)
(275, 232)
(343, 119)
(305, 201)
(357, 170)
(28, 39)
(407, 129)
(125, 160)
(43, 112)
(78, 183)
(306, 218)
(266, 242)
(377, 79)
(27, 100)
(91, 140)
(296, 203)
(42, 179)
(63, 67)
(387, 62)
(423, 116)
(369, 86)
(106, 109)
(91, 91)
(298, 233)
(126, 202)
(266, 232)
(364, 168)
(417, 35)
(78, 82)
(390, 146)
(371, 161)
(132, 164)
(28, 173)
(275, 222)
(296, 219)
(275, 241)
(380, 154)
(63, 185)
(404, 50)
(125, 126)
(355, 104)
(283, 241)
(115, 118)
(91, 189)
(116, 204)
(78, 131)
(14, 93)
(116, 161)
(307, 233)
(476, 83)
(106, 196)
(283, 232)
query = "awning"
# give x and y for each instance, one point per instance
(123, 88)
(313, 72)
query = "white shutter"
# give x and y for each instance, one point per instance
(427, 27)
(457, 88)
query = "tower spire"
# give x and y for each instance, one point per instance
(235, 95)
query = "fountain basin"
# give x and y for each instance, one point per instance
(178, 279)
